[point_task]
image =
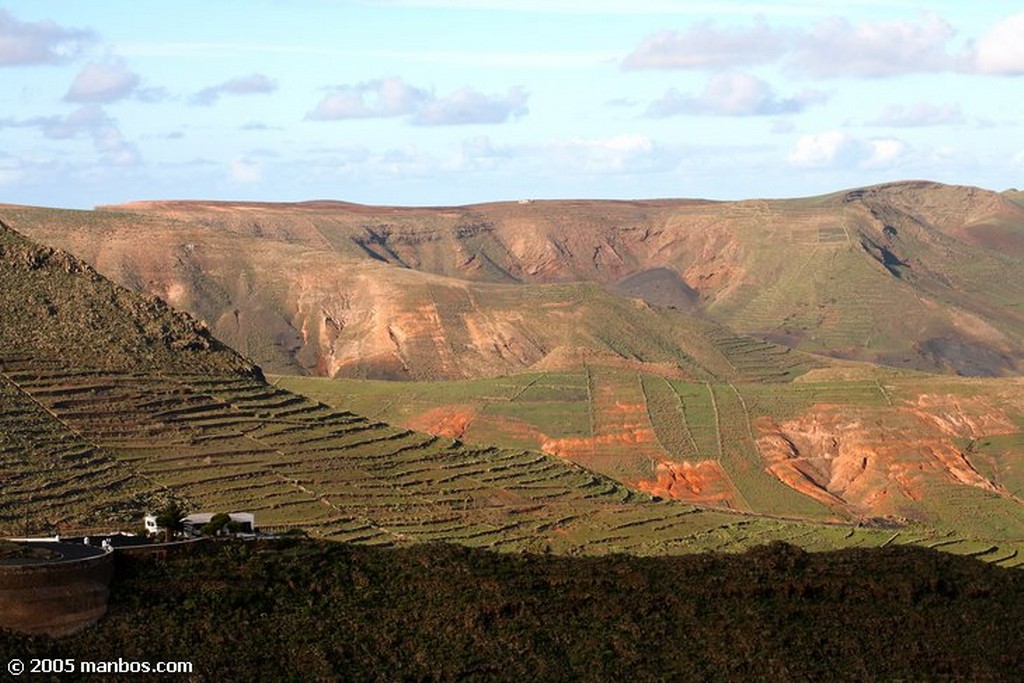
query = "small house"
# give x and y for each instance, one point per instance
(192, 525)
(244, 522)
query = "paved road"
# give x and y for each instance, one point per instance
(65, 551)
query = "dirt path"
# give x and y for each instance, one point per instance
(718, 421)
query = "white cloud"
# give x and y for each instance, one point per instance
(705, 45)
(393, 97)
(89, 121)
(1001, 50)
(832, 47)
(379, 98)
(838, 149)
(821, 149)
(873, 49)
(885, 152)
(919, 115)
(102, 82)
(733, 94)
(467, 106)
(253, 84)
(42, 42)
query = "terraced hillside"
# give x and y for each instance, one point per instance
(916, 275)
(52, 479)
(235, 443)
(99, 432)
(849, 444)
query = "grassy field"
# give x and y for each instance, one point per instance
(623, 424)
(233, 443)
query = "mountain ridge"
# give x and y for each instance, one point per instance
(913, 274)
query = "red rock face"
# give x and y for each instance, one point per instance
(455, 292)
(700, 483)
(449, 421)
(878, 462)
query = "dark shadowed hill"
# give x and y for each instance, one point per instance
(444, 613)
(56, 307)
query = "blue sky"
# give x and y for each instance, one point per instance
(461, 101)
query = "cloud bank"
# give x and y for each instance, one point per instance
(733, 94)
(393, 97)
(253, 84)
(24, 43)
(836, 47)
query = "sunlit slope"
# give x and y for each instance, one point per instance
(101, 418)
(52, 478)
(55, 306)
(233, 443)
(303, 310)
(915, 274)
(854, 444)
(57, 312)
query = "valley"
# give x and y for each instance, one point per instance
(576, 377)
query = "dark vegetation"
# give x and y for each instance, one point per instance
(56, 306)
(300, 610)
(17, 551)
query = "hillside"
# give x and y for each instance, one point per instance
(303, 310)
(56, 307)
(857, 443)
(914, 275)
(59, 317)
(101, 418)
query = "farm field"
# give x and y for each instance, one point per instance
(233, 443)
(945, 451)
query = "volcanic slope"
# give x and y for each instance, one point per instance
(110, 403)
(916, 275)
(298, 306)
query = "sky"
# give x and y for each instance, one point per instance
(448, 102)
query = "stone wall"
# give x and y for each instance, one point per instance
(55, 598)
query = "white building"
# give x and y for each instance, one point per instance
(194, 523)
(151, 526)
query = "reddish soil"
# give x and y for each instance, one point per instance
(620, 425)
(701, 483)
(960, 416)
(450, 421)
(875, 461)
(586, 447)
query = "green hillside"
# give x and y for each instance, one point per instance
(848, 444)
